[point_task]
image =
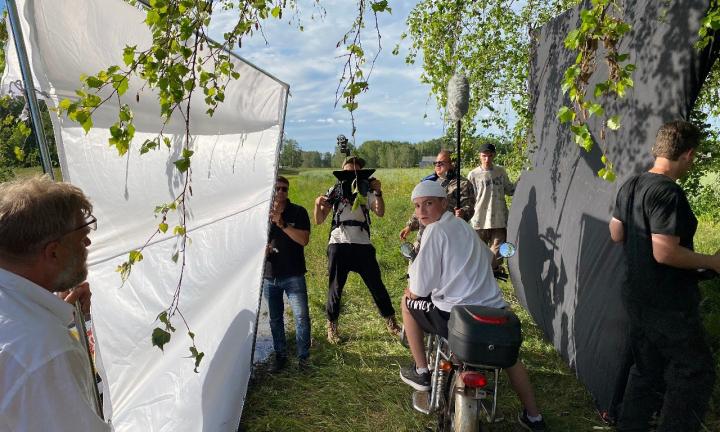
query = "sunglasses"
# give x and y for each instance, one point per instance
(281, 188)
(439, 163)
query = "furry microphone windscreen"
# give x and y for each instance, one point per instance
(458, 97)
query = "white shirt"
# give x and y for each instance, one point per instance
(453, 266)
(45, 383)
(348, 233)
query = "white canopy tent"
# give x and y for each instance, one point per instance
(233, 172)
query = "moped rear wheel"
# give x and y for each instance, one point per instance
(461, 412)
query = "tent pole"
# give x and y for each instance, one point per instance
(29, 87)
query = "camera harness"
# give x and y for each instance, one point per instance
(337, 211)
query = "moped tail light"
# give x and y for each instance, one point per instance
(474, 379)
(445, 366)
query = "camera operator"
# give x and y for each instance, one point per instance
(349, 247)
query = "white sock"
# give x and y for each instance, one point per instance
(421, 371)
(534, 419)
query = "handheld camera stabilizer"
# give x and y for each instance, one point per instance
(344, 189)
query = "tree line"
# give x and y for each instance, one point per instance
(397, 154)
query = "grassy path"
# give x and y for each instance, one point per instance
(355, 386)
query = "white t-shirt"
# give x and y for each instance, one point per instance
(349, 233)
(45, 381)
(454, 267)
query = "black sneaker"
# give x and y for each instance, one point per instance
(534, 426)
(278, 364)
(415, 380)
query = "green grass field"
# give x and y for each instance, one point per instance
(355, 386)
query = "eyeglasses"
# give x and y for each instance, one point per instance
(439, 163)
(91, 223)
(281, 188)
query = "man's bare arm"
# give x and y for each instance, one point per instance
(321, 210)
(379, 204)
(617, 230)
(667, 250)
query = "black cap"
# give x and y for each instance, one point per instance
(357, 160)
(487, 147)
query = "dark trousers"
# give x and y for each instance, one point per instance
(673, 374)
(346, 257)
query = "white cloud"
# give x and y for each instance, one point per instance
(396, 104)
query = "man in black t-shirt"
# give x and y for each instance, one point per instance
(673, 374)
(285, 273)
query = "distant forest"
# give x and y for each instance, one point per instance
(383, 154)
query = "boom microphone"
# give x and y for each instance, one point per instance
(458, 95)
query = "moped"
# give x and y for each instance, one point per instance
(465, 372)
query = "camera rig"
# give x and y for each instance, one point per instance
(350, 183)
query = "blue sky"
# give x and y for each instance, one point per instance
(396, 107)
(393, 109)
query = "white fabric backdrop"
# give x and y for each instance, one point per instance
(233, 174)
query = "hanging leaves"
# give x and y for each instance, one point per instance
(599, 25)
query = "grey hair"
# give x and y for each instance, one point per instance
(35, 211)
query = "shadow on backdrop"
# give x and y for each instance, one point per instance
(567, 272)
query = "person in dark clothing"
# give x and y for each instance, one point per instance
(673, 374)
(285, 273)
(350, 249)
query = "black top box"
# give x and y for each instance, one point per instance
(484, 336)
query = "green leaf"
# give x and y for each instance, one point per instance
(179, 230)
(129, 55)
(163, 227)
(148, 145)
(182, 164)
(19, 153)
(614, 122)
(120, 83)
(275, 12)
(87, 124)
(596, 109)
(566, 114)
(160, 337)
(198, 356)
(380, 6)
(65, 104)
(350, 106)
(600, 88)
(93, 82)
(135, 256)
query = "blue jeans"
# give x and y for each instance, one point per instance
(295, 289)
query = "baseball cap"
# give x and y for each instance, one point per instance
(428, 188)
(354, 159)
(487, 147)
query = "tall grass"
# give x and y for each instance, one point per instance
(355, 386)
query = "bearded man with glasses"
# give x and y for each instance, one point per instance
(445, 174)
(45, 382)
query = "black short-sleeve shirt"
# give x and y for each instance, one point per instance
(287, 257)
(649, 204)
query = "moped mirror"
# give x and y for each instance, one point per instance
(507, 250)
(407, 250)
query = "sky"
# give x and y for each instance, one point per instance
(396, 106)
